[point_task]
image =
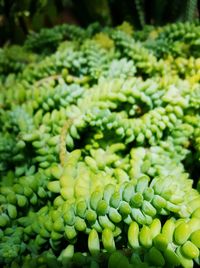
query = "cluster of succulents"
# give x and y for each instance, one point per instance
(100, 148)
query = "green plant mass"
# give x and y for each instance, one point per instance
(100, 147)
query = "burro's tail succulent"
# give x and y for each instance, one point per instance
(100, 148)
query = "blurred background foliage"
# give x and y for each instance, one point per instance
(19, 17)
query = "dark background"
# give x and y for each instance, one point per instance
(18, 17)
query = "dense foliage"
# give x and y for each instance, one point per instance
(100, 148)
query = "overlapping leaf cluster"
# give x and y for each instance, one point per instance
(100, 148)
